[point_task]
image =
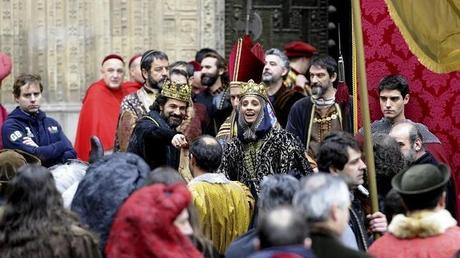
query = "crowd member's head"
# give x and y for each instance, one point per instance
(5, 66)
(113, 71)
(423, 187)
(410, 140)
(282, 226)
(134, 67)
(388, 160)
(34, 222)
(323, 74)
(106, 185)
(324, 201)
(276, 67)
(254, 119)
(155, 68)
(10, 162)
(299, 54)
(156, 216)
(276, 191)
(213, 70)
(164, 175)
(393, 95)
(179, 76)
(27, 91)
(393, 205)
(172, 103)
(339, 154)
(205, 155)
(235, 92)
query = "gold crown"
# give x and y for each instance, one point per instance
(252, 88)
(182, 92)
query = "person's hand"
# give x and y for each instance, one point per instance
(179, 141)
(377, 222)
(301, 80)
(29, 141)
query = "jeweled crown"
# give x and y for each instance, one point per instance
(252, 88)
(182, 92)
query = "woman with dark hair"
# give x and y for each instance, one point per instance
(35, 222)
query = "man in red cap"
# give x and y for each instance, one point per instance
(299, 54)
(135, 75)
(100, 108)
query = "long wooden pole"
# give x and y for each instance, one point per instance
(362, 81)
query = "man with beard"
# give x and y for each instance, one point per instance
(275, 70)
(157, 137)
(411, 143)
(154, 67)
(214, 77)
(312, 118)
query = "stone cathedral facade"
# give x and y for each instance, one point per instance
(65, 40)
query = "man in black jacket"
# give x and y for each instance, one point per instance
(156, 137)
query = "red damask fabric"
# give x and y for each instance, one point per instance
(434, 98)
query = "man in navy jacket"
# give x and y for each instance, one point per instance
(28, 128)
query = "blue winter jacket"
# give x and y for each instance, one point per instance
(54, 147)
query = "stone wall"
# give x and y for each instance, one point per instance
(64, 41)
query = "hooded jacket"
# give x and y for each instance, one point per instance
(54, 147)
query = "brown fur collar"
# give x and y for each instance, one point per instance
(421, 224)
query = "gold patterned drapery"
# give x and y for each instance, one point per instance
(431, 28)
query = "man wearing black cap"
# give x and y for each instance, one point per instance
(155, 70)
(427, 229)
(299, 54)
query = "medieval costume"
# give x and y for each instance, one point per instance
(131, 86)
(283, 100)
(260, 149)
(144, 225)
(308, 124)
(133, 107)
(98, 116)
(152, 135)
(430, 141)
(224, 208)
(218, 107)
(104, 188)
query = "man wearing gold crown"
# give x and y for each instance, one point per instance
(157, 137)
(260, 149)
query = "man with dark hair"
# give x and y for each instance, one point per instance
(312, 118)
(283, 232)
(156, 137)
(275, 71)
(394, 96)
(323, 200)
(155, 70)
(276, 191)
(224, 207)
(216, 98)
(100, 108)
(339, 154)
(427, 229)
(28, 128)
(410, 141)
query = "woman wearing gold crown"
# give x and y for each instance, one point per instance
(260, 149)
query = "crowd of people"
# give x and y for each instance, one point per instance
(187, 160)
